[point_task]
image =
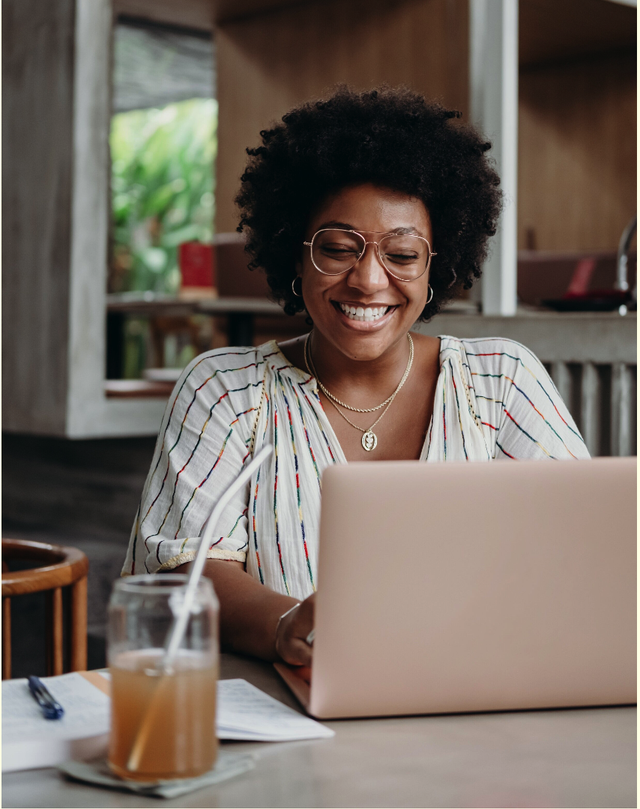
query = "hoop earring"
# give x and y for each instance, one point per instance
(430, 298)
(293, 286)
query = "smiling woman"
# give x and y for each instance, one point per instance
(369, 211)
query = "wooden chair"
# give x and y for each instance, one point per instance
(61, 567)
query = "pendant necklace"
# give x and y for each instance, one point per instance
(369, 438)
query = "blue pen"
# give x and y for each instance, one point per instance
(50, 708)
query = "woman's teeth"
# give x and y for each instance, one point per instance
(360, 313)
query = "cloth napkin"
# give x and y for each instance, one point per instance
(97, 772)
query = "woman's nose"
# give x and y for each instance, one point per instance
(368, 273)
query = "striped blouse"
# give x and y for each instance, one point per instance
(493, 399)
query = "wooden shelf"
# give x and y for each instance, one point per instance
(137, 389)
(198, 14)
(165, 305)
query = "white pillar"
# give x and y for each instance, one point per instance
(494, 109)
(90, 213)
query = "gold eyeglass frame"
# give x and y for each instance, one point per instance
(377, 244)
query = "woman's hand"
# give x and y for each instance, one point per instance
(292, 632)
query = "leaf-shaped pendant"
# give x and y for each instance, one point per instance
(369, 440)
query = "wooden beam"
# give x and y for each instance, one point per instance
(197, 14)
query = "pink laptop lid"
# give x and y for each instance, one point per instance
(473, 587)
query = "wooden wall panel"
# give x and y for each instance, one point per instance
(274, 60)
(37, 107)
(552, 30)
(577, 153)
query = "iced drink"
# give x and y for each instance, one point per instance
(163, 724)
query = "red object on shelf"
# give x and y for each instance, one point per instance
(196, 265)
(581, 278)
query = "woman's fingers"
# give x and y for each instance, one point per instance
(297, 653)
(292, 633)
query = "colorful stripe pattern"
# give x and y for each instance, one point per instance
(493, 400)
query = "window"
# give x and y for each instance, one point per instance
(163, 147)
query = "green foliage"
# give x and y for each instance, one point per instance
(162, 190)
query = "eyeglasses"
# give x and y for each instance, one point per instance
(404, 256)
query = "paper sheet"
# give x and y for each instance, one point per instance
(86, 709)
(29, 740)
(245, 712)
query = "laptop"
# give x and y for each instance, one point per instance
(460, 587)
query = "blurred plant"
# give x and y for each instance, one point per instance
(135, 350)
(162, 191)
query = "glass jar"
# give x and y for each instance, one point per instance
(163, 722)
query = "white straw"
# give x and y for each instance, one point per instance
(179, 624)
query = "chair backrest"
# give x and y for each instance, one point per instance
(62, 566)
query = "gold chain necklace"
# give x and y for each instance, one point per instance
(335, 399)
(369, 438)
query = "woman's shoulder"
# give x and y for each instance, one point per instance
(489, 351)
(231, 359)
(228, 368)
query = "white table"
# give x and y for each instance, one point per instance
(583, 757)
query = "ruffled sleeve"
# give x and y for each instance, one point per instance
(522, 413)
(203, 443)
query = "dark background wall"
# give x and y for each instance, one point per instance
(79, 493)
(77, 486)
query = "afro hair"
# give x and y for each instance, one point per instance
(391, 137)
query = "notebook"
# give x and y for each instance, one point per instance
(462, 587)
(244, 712)
(30, 741)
